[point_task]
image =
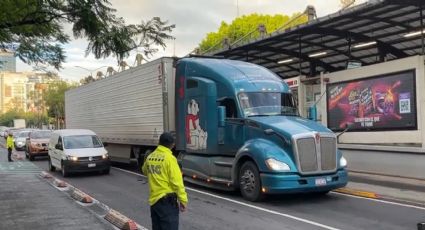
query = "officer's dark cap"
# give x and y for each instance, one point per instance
(166, 139)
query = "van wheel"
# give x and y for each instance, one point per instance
(51, 167)
(249, 182)
(64, 170)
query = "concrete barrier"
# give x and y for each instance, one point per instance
(60, 183)
(45, 175)
(81, 196)
(120, 221)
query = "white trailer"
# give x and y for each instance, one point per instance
(128, 110)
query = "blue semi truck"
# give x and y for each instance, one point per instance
(237, 125)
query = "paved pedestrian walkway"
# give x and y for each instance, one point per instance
(29, 202)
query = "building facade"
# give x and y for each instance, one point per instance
(22, 91)
(7, 62)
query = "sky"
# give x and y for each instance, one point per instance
(193, 20)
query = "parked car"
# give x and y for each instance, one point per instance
(20, 138)
(77, 150)
(3, 131)
(37, 143)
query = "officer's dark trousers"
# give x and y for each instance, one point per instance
(9, 154)
(165, 214)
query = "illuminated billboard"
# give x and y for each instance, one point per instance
(385, 102)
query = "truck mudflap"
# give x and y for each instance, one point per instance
(293, 183)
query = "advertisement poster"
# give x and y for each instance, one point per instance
(386, 102)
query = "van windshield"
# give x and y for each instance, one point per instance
(267, 104)
(81, 142)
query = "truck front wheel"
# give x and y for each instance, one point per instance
(250, 182)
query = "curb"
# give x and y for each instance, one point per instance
(112, 216)
(120, 221)
(356, 192)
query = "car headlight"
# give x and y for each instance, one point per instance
(276, 165)
(343, 162)
(71, 158)
(105, 156)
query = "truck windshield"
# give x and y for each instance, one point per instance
(267, 104)
(81, 142)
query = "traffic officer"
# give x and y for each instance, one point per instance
(10, 145)
(167, 192)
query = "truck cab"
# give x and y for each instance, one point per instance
(238, 127)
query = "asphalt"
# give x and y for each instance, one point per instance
(126, 191)
(29, 202)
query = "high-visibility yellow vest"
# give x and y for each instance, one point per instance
(164, 175)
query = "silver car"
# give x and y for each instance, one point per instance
(21, 138)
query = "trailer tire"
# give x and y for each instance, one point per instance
(250, 182)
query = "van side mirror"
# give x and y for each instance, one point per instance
(105, 144)
(58, 146)
(221, 115)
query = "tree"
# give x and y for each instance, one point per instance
(55, 100)
(37, 27)
(247, 25)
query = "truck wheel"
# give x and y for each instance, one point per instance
(31, 157)
(51, 167)
(249, 182)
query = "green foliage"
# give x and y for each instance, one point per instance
(37, 27)
(31, 119)
(245, 25)
(54, 98)
(6, 119)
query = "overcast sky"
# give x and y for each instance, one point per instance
(193, 20)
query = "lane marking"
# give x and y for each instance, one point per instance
(381, 201)
(248, 205)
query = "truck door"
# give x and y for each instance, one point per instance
(201, 115)
(231, 136)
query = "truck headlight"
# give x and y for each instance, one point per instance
(105, 156)
(343, 162)
(276, 165)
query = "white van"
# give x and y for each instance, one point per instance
(77, 150)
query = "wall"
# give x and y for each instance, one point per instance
(383, 137)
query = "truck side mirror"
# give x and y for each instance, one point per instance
(221, 115)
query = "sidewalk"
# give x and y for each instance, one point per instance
(389, 187)
(29, 202)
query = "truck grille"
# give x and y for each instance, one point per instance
(308, 158)
(328, 153)
(315, 157)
